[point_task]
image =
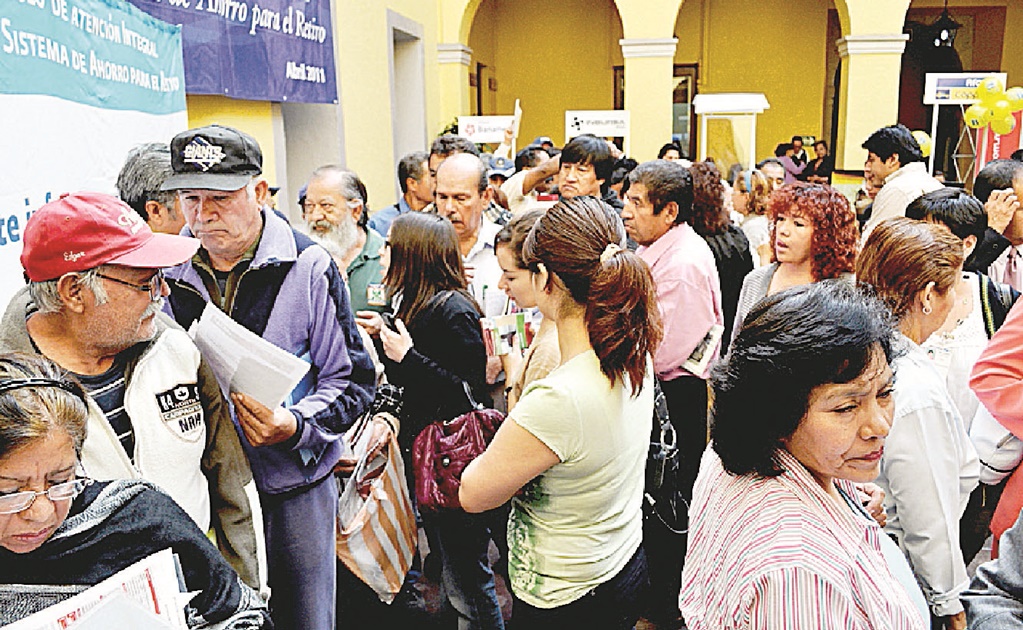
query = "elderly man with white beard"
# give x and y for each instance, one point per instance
(336, 217)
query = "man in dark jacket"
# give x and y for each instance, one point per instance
(278, 284)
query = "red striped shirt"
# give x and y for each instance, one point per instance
(781, 553)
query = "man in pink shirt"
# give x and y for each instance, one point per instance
(658, 209)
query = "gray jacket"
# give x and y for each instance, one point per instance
(995, 598)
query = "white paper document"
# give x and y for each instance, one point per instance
(245, 362)
(145, 595)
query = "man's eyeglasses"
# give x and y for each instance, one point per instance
(154, 286)
(21, 501)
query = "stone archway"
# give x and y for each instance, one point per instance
(870, 49)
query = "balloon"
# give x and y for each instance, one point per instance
(1003, 126)
(977, 115)
(1015, 97)
(1000, 109)
(924, 141)
(990, 90)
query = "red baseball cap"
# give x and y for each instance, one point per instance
(84, 230)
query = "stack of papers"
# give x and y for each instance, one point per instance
(245, 362)
(147, 594)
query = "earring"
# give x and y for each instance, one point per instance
(927, 309)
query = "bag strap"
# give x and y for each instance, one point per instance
(985, 305)
(472, 400)
(997, 299)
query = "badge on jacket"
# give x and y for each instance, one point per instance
(181, 410)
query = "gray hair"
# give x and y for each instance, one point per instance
(30, 413)
(350, 187)
(46, 296)
(144, 171)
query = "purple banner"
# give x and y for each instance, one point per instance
(259, 50)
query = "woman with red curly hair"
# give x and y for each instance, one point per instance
(815, 237)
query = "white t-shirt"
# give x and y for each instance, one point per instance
(579, 523)
(486, 271)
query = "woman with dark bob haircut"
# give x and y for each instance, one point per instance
(814, 237)
(778, 535)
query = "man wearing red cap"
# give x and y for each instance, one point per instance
(93, 305)
(280, 285)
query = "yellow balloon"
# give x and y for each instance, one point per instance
(990, 90)
(1003, 126)
(1000, 109)
(1015, 97)
(924, 141)
(977, 115)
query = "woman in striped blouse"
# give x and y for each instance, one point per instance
(779, 537)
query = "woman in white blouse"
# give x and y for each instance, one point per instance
(929, 466)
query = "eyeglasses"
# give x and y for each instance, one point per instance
(153, 286)
(21, 501)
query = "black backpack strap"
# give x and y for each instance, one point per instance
(996, 301)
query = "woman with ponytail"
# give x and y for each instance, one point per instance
(576, 442)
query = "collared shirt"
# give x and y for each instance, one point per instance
(364, 271)
(688, 295)
(899, 190)
(928, 470)
(486, 270)
(381, 220)
(1008, 268)
(497, 214)
(221, 285)
(779, 552)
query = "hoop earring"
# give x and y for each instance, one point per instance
(927, 309)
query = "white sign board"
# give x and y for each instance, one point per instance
(484, 129)
(603, 123)
(75, 100)
(943, 88)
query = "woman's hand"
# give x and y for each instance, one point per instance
(396, 343)
(872, 499)
(370, 321)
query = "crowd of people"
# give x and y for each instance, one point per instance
(832, 372)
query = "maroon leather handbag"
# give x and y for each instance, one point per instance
(443, 449)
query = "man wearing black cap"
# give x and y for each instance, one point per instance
(280, 285)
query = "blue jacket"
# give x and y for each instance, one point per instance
(293, 296)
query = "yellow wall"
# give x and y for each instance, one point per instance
(252, 117)
(562, 61)
(776, 47)
(363, 63)
(1012, 47)
(483, 41)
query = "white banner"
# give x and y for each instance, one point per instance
(960, 88)
(81, 83)
(610, 123)
(484, 129)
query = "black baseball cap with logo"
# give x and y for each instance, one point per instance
(213, 158)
